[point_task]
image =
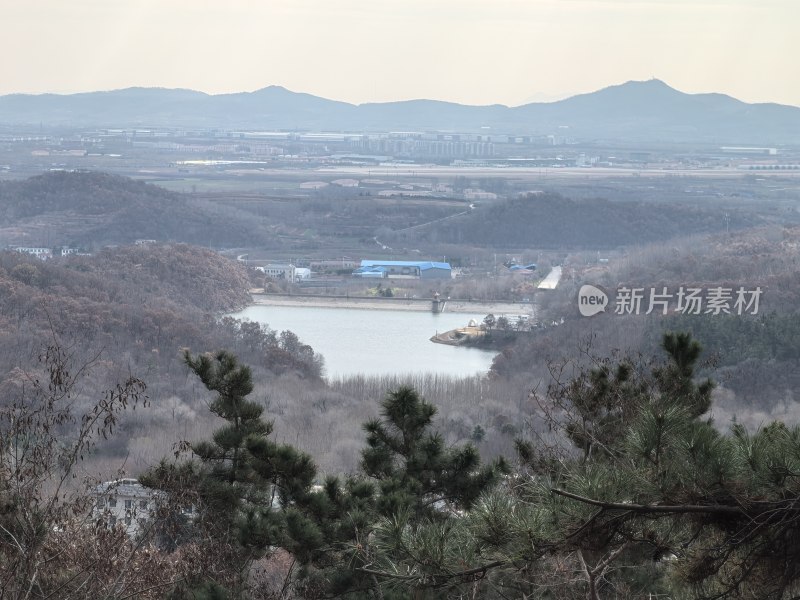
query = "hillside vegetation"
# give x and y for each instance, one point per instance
(754, 357)
(132, 310)
(92, 209)
(552, 221)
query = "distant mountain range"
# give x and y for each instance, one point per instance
(636, 111)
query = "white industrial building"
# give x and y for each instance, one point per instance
(279, 271)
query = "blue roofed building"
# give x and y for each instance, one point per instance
(370, 272)
(406, 269)
(522, 269)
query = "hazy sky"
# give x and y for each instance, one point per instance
(470, 51)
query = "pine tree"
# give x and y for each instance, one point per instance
(414, 470)
(596, 408)
(675, 380)
(390, 519)
(421, 492)
(229, 477)
(722, 507)
(631, 422)
(244, 483)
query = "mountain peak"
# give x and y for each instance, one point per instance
(652, 83)
(637, 87)
(273, 89)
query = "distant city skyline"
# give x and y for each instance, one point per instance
(467, 51)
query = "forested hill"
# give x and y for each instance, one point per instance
(134, 303)
(185, 275)
(553, 221)
(88, 208)
(106, 294)
(754, 356)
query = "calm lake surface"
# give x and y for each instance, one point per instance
(376, 342)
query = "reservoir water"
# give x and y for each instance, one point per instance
(376, 342)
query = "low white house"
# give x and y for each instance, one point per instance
(123, 502)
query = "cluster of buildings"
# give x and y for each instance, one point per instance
(403, 269)
(365, 269)
(431, 145)
(44, 253)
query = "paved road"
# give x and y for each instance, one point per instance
(551, 281)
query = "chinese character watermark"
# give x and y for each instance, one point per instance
(683, 300)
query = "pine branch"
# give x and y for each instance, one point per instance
(438, 579)
(656, 508)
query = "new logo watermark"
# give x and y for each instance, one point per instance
(685, 300)
(591, 300)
